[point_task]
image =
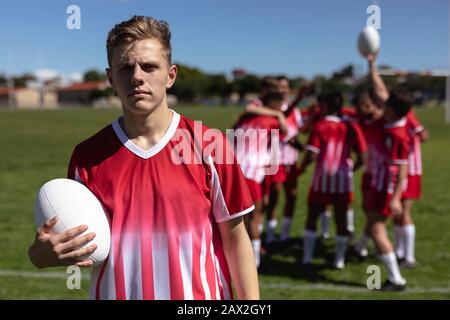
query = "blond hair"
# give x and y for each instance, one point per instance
(139, 28)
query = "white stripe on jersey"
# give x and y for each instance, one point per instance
(216, 276)
(131, 250)
(107, 286)
(202, 267)
(160, 259)
(223, 281)
(185, 253)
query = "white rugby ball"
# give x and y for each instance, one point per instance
(369, 41)
(74, 204)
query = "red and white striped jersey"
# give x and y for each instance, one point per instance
(252, 141)
(333, 139)
(164, 215)
(415, 155)
(398, 144)
(373, 131)
(288, 154)
(388, 146)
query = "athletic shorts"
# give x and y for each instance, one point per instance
(414, 189)
(255, 190)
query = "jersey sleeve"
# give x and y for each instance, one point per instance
(74, 171)
(313, 144)
(413, 122)
(400, 148)
(229, 195)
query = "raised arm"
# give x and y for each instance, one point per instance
(380, 89)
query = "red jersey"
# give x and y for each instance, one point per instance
(414, 127)
(397, 148)
(294, 122)
(333, 139)
(253, 144)
(165, 242)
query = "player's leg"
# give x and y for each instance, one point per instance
(368, 200)
(309, 236)
(255, 236)
(272, 222)
(343, 235)
(256, 218)
(385, 250)
(290, 190)
(325, 218)
(350, 222)
(360, 248)
(408, 233)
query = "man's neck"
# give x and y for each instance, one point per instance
(147, 130)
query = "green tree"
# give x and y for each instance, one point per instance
(94, 75)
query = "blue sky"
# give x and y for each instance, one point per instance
(293, 37)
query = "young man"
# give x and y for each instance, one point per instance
(176, 228)
(254, 151)
(257, 107)
(312, 115)
(286, 177)
(404, 228)
(370, 119)
(387, 173)
(331, 143)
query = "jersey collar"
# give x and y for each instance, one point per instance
(332, 118)
(145, 154)
(399, 123)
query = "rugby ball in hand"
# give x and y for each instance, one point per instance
(74, 205)
(369, 41)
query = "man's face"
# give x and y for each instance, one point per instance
(283, 87)
(365, 108)
(140, 74)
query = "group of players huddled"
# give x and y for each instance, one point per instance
(380, 134)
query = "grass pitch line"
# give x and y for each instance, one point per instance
(344, 288)
(263, 284)
(41, 275)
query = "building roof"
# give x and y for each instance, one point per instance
(83, 86)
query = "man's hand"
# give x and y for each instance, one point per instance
(396, 207)
(371, 57)
(424, 135)
(61, 249)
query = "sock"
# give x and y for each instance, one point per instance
(325, 223)
(260, 227)
(308, 245)
(350, 221)
(285, 228)
(361, 246)
(270, 234)
(256, 244)
(399, 242)
(409, 235)
(341, 248)
(390, 261)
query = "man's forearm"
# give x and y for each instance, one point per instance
(401, 177)
(380, 89)
(240, 259)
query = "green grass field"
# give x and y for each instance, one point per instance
(36, 146)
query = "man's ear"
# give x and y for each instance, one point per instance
(171, 76)
(110, 78)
